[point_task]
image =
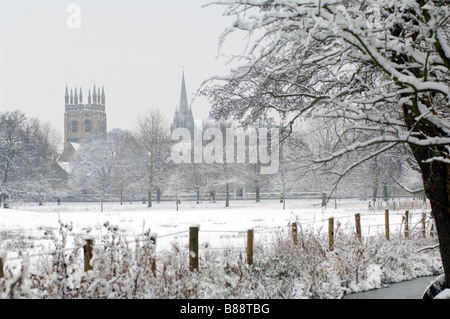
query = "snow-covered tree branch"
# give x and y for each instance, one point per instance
(378, 69)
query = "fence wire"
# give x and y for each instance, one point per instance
(256, 231)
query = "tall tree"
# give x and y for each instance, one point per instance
(123, 145)
(153, 142)
(175, 184)
(92, 168)
(382, 67)
(27, 158)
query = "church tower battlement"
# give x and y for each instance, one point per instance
(82, 117)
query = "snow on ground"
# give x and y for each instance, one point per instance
(219, 226)
(23, 228)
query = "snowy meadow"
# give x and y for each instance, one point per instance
(44, 250)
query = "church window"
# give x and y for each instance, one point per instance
(87, 126)
(74, 127)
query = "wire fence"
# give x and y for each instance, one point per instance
(417, 223)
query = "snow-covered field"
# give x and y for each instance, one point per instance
(219, 226)
(281, 270)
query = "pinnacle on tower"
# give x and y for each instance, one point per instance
(76, 97)
(94, 95)
(103, 95)
(66, 96)
(81, 97)
(71, 96)
(89, 97)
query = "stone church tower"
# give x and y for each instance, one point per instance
(82, 119)
(183, 113)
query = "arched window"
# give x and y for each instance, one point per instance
(87, 126)
(74, 125)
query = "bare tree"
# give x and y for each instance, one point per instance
(152, 153)
(123, 145)
(223, 173)
(175, 184)
(381, 67)
(92, 168)
(27, 158)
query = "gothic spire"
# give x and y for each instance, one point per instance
(183, 114)
(184, 104)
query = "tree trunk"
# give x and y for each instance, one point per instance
(227, 195)
(436, 180)
(374, 193)
(149, 200)
(121, 193)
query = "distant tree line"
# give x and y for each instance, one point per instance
(28, 149)
(136, 165)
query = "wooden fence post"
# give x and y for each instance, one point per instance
(193, 247)
(386, 223)
(358, 225)
(153, 241)
(3, 254)
(88, 253)
(406, 224)
(294, 232)
(250, 246)
(331, 233)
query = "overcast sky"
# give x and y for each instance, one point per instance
(136, 49)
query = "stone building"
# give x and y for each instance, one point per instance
(82, 118)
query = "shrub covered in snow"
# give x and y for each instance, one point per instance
(281, 269)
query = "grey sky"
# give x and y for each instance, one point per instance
(136, 49)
